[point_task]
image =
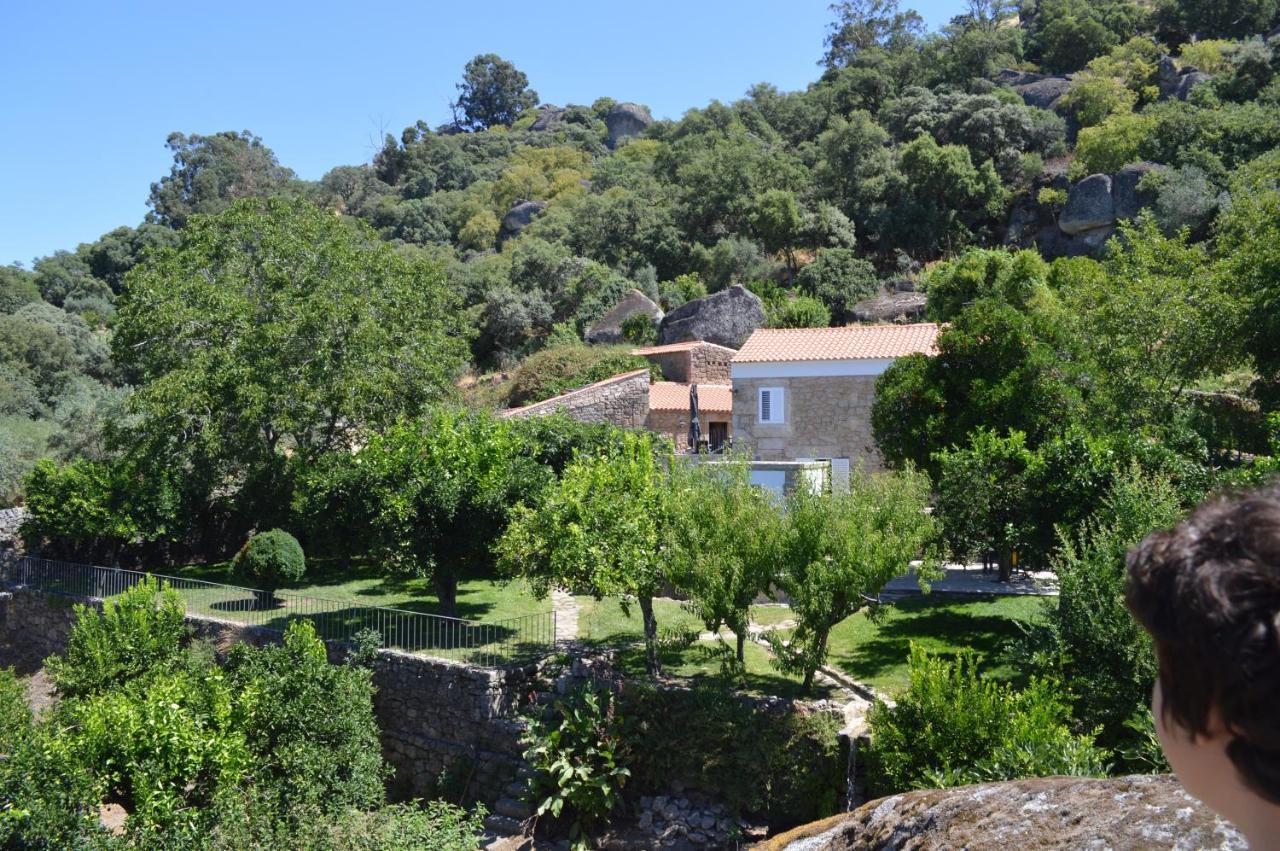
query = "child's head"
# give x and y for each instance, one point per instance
(1208, 591)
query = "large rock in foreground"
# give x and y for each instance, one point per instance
(1146, 812)
(725, 318)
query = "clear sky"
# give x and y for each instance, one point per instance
(90, 90)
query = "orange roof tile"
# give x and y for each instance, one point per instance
(674, 396)
(676, 347)
(853, 342)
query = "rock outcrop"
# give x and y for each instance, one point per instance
(1094, 206)
(608, 328)
(1040, 90)
(518, 217)
(725, 318)
(1175, 83)
(891, 307)
(1145, 812)
(626, 120)
(1089, 205)
(549, 116)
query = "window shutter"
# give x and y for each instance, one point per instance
(771, 405)
(766, 406)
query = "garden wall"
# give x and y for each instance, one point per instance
(435, 716)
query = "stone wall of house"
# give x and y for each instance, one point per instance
(674, 365)
(709, 364)
(622, 400)
(825, 417)
(675, 425)
(435, 716)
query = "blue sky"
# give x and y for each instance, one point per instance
(91, 90)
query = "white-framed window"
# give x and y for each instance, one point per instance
(772, 405)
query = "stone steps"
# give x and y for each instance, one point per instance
(514, 790)
(503, 825)
(512, 808)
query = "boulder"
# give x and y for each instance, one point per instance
(1052, 242)
(1177, 83)
(1126, 199)
(725, 318)
(1043, 92)
(518, 217)
(626, 120)
(1143, 812)
(549, 116)
(608, 328)
(1088, 206)
(891, 307)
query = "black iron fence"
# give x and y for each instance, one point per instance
(493, 644)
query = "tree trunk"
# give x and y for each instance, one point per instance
(742, 641)
(653, 664)
(821, 654)
(1006, 565)
(447, 593)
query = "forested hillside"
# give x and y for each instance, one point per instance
(511, 228)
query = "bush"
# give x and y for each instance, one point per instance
(314, 739)
(271, 559)
(953, 727)
(579, 757)
(797, 312)
(784, 766)
(135, 635)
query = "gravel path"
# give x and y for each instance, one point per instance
(566, 609)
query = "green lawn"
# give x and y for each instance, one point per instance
(506, 619)
(876, 653)
(770, 614)
(604, 621)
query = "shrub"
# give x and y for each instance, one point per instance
(313, 737)
(579, 758)
(797, 312)
(139, 633)
(953, 727)
(271, 559)
(784, 766)
(640, 329)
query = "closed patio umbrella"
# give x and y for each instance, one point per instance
(695, 427)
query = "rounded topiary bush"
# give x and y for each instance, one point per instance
(271, 559)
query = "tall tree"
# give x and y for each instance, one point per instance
(492, 92)
(276, 329)
(211, 172)
(862, 25)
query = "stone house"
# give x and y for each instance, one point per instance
(631, 400)
(806, 393)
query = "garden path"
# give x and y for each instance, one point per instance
(970, 579)
(566, 609)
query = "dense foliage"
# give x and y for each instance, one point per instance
(271, 559)
(277, 749)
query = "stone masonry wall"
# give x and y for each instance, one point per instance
(435, 715)
(709, 364)
(674, 365)
(10, 522)
(824, 418)
(622, 400)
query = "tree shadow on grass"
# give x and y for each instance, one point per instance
(631, 661)
(946, 629)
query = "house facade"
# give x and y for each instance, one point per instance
(806, 393)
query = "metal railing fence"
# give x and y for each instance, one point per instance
(495, 644)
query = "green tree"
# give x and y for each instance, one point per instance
(839, 550)
(1010, 277)
(428, 498)
(210, 173)
(796, 311)
(274, 330)
(839, 279)
(777, 223)
(854, 166)
(1110, 146)
(599, 530)
(493, 92)
(1093, 98)
(945, 195)
(722, 551)
(17, 287)
(862, 25)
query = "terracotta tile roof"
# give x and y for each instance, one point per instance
(853, 342)
(676, 347)
(674, 396)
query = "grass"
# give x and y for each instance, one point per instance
(876, 652)
(771, 614)
(605, 622)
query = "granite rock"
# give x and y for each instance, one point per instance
(725, 318)
(626, 120)
(608, 328)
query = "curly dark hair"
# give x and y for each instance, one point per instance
(1208, 591)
